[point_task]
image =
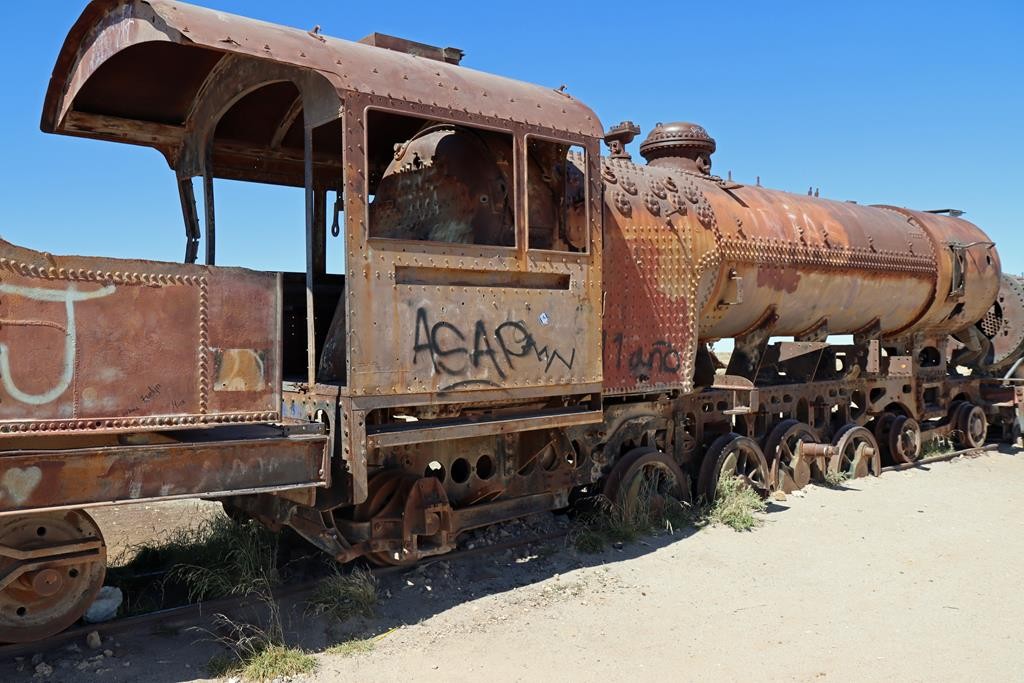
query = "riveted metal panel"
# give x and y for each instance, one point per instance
(91, 344)
(476, 323)
(649, 291)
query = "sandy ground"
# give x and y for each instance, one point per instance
(913, 576)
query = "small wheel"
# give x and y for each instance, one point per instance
(905, 440)
(856, 453)
(647, 481)
(51, 596)
(882, 430)
(972, 424)
(788, 473)
(734, 455)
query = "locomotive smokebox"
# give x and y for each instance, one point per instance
(680, 145)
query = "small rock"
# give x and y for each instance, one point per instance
(44, 669)
(779, 495)
(93, 640)
(617, 545)
(108, 653)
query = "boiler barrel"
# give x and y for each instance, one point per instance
(795, 263)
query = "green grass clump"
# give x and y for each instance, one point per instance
(351, 648)
(214, 558)
(736, 505)
(273, 661)
(344, 596)
(940, 445)
(836, 479)
(228, 559)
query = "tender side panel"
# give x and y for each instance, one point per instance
(88, 344)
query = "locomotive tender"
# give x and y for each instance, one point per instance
(518, 317)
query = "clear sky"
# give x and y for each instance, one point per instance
(918, 104)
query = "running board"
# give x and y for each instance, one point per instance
(443, 430)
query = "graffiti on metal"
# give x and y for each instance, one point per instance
(482, 353)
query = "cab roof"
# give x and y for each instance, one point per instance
(131, 71)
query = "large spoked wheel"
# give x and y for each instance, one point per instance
(732, 455)
(789, 472)
(972, 425)
(905, 440)
(387, 493)
(647, 482)
(52, 565)
(856, 453)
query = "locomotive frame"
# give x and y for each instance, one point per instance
(438, 386)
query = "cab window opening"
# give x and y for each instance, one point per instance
(557, 206)
(256, 199)
(436, 181)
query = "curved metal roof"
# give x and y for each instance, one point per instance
(107, 28)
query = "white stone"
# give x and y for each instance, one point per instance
(104, 607)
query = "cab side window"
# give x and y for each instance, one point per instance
(439, 182)
(556, 195)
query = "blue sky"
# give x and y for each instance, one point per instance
(918, 104)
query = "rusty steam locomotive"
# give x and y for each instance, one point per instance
(518, 317)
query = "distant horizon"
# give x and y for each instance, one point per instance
(875, 104)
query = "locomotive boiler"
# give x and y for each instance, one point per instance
(494, 319)
(769, 263)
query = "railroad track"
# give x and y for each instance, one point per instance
(178, 617)
(188, 615)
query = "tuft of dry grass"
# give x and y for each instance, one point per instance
(344, 596)
(351, 648)
(940, 445)
(836, 479)
(265, 664)
(736, 505)
(606, 523)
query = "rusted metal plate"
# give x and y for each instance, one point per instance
(44, 479)
(91, 344)
(650, 326)
(1003, 325)
(465, 338)
(446, 320)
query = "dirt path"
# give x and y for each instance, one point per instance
(911, 577)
